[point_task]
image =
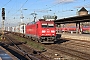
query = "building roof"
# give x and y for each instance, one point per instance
(82, 9)
(75, 19)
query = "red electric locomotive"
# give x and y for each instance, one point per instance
(42, 31)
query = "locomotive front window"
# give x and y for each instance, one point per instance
(44, 25)
(47, 25)
(50, 25)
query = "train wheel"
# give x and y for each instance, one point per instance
(40, 40)
(37, 40)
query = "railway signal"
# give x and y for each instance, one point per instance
(3, 18)
(3, 13)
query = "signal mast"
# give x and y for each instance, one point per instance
(3, 19)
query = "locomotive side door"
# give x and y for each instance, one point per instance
(36, 29)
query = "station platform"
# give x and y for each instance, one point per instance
(85, 37)
(5, 55)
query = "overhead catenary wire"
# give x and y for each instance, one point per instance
(24, 4)
(20, 7)
(6, 3)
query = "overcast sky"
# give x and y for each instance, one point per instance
(61, 8)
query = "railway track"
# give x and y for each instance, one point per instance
(76, 49)
(79, 45)
(72, 52)
(22, 49)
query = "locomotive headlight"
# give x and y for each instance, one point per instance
(43, 31)
(43, 34)
(52, 31)
(52, 34)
